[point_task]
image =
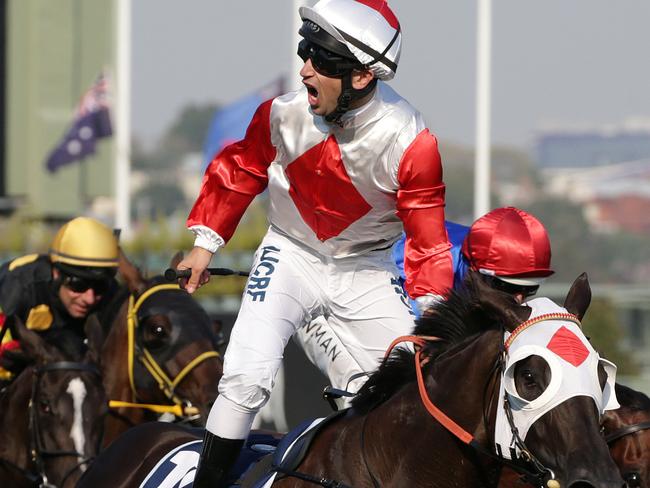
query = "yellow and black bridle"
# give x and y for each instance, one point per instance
(181, 407)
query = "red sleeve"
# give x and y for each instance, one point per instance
(235, 176)
(420, 205)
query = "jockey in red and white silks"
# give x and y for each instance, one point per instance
(340, 196)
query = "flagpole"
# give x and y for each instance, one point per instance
(293, 79)
(483, 87)
(123, 118)
(76, 90)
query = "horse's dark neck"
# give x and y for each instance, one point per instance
(472, 399)
(14, 423)
(468, 367)
(115, 361)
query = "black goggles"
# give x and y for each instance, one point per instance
(81, 285)
(497, 284)
(326, 62)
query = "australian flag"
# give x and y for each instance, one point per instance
(92, 121)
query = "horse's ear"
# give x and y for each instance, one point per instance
(176, 258)
(32, 343)
(131, 274)
(499, 305)
(579, 297)
(95, 335)
(217, 328)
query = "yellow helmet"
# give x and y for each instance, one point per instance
(84, 244)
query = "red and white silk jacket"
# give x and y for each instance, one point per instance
(338, 190)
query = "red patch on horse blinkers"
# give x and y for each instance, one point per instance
(568, 346)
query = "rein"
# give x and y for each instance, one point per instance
(627, 430)
(180, 407)
(37, 451)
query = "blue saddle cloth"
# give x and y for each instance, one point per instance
(178, 467)
(290, 440)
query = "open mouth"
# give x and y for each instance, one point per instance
(312, 94)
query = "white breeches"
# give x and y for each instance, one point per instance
(360, 299)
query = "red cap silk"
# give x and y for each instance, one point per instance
(509, 242)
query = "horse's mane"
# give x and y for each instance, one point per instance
(157, 280)
(632, 399)
(461, 316)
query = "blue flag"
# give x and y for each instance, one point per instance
(91, 122)
(230, 122)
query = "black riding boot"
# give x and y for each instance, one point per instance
(217, 458)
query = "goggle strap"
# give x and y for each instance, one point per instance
(377, 56)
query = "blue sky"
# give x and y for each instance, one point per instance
(555, 62)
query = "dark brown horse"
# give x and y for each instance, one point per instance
(627, 431)
(159, 355)
(389, 437)
(51, 417)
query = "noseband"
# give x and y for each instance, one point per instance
(37, 451)
(627, 430)
(181, 407)
(632, 479)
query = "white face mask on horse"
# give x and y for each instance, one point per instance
(573, 363)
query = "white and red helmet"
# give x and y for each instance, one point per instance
(509, 244)
(368, 28)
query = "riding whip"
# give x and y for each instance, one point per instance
(172, 274)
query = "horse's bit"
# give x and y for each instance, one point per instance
(181, 407)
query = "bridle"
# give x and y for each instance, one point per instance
(530, 468)
(625, 431)
(181, 408)
(37, 450)
(632, 478)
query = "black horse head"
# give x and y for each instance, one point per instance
(53, 415)
(161, 349)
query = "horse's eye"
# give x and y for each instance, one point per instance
(45, 406)
(155, 334)
(528, 377)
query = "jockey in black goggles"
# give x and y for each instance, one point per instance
(79, 284)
